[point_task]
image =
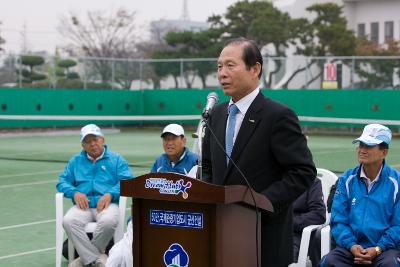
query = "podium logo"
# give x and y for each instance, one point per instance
(169, 187)
(176, 256)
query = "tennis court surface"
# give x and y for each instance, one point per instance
(30, 165)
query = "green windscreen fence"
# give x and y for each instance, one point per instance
(54, 108)
(35, 107)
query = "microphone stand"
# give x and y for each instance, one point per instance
(200, 135)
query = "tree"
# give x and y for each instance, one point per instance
(203, 44)
(148, 50)
(31, 61)
(67, 64)
(102, 36)
(259, 21)
(66, 77)
(153, 49)
(377, 73)
(164, 69)
(325, 35)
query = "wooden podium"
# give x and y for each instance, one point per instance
(180, 221)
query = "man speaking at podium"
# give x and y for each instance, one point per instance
(264, 139)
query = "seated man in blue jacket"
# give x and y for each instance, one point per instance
(365, 218)
(91, 179)
(178, 159)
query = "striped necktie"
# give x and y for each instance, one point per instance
(233, 110)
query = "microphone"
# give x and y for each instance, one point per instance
(212, 99)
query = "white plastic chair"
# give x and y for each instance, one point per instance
(90, 227)
(328, 179)
(326, 229)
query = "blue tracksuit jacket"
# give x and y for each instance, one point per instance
(94, 179)
(367, 218)
(187, 161)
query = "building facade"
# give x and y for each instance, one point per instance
(377, 20)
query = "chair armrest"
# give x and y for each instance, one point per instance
(59, 207)
(304, 244)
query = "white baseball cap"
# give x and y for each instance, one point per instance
(90, 129)
(375, 134)
(173, 128)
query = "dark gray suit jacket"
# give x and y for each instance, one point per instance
(272, 152)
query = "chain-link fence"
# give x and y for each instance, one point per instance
(137, 74)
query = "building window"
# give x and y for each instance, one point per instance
(361, 30)
(389, 30)
(375, 32)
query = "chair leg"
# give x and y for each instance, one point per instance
(58, 251)
(71, 251)
(59, 228)
(59, 243)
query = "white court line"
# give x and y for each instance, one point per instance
(26, 154)
(34, 223)
(141, 162)
(25, 224)
(26, 253)
(333, 151)
(25, 184)
(28, 173)
(145, 162)
(36, 183)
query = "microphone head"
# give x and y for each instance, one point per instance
(213, 95)
(212, 99)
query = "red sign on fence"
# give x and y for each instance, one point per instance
(330, 76)
(330, 72)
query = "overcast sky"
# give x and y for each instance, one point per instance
(41, 17)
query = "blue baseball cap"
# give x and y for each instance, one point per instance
(375, 134)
